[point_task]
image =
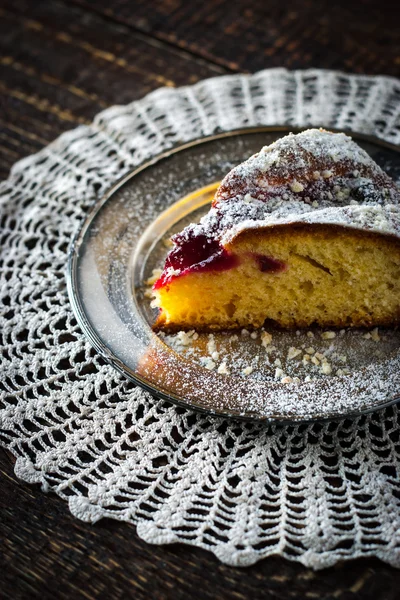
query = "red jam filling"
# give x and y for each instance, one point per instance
(201, 254)
(267, 264)
(195, 254)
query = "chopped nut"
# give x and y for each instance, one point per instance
(215, 355)
(310, 350)
(278, 362)
(286, 379)
(327, 174)
(279, 373)
(316, 175)
(296, 186)
(254, 335)
(310, 334)
(315, 361)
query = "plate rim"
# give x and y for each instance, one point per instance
(91, 334)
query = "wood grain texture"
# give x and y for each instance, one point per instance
(60, 65)
(47, 553)
(63, 61)
(357, 36)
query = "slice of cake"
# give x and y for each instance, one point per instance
(305, 232)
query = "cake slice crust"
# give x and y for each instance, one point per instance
(305, 232)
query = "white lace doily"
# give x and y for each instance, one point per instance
(316, 493)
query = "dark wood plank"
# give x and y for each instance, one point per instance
(46, 553)
(357, 36)
(60, 65)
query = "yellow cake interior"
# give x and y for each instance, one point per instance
(334, 276)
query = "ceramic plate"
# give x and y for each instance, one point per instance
(233, 374)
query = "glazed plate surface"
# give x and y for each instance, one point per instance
(232, 374)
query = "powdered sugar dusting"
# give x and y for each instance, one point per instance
(279, 374)
(312, 177)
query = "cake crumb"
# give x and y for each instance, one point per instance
(183, 338)
(293, 352)
(211, 347)
(326, 368)
(215, 355)
(327, 174)
(156, 274)
(223, 369)
(234, 338)
(209, 364)
(247, 370)
(375, 335)
(244, 332)
(266, 338)
(328, 335)
(254, 335)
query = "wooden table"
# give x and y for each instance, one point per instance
(61, 62)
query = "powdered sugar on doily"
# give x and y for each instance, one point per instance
(313, 493)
